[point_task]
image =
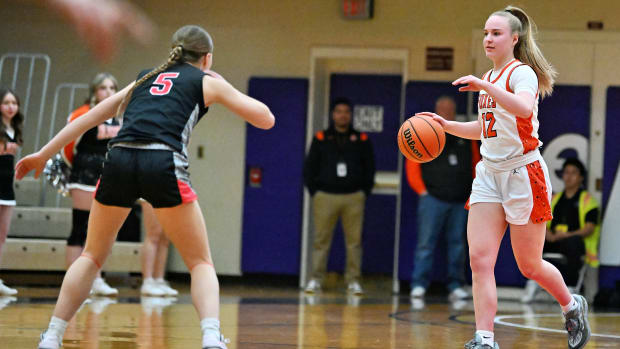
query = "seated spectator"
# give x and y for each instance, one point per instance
(574, 230)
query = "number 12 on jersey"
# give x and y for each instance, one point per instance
(487, 129)
(164, 84)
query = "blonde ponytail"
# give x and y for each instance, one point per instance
(526, 50)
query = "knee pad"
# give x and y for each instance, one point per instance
(79, 228)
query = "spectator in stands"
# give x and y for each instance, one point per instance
(154, 256)
(10, 140)
(86, 156)
(574, 231)
(339, 173)
(443, 186)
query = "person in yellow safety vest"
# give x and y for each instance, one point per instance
(574, 230)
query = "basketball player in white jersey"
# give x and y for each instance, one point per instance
(512, 182)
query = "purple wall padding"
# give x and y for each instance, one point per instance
(272, 214)
(567, 110)
(612, 141)
(609, 276)
(375, 90)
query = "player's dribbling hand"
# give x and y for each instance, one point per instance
(471, 83)
(443, 122)
(31, 162)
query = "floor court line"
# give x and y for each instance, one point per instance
(500, 321)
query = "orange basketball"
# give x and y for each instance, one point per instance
(421, 139)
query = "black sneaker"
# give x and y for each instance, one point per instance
(476, 343)
(577, 326)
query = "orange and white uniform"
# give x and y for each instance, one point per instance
(512, 171)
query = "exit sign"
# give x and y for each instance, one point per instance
(357, 9)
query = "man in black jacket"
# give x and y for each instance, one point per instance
(339, 173)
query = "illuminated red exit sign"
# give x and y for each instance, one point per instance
(357, 9)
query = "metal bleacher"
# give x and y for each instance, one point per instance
(42, 219)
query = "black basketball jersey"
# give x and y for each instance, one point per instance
(165, 108)
(7, 160)
(89, 143)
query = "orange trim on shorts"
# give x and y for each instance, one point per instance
(467, 207)
(96, 187)
(186, 192)
(92, 259)
(541, 212)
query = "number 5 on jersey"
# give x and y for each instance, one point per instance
(164, 84)
(487, 130)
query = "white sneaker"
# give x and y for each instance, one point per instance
(6, 300)
(101, 288)
(458, 293)
(165, 286)
(355, 288)
(313, 286)
(49, 341)
(6, 291)
(531, 288)
(417, 292)
(151, 288)
(210, 343)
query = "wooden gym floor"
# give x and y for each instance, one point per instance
(282, 317)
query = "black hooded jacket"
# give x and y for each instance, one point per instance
(330, 148)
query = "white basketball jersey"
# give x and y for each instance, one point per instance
(504, 135)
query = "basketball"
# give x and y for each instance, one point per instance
(421, 139)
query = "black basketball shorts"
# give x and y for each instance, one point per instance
(158, 176)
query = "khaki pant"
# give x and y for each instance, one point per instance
(327, 208)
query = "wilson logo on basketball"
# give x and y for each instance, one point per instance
(421, 139)
(411, 143)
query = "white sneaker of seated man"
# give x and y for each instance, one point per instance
(417, 292)
(313, 286)
(531, 289)
(101, 288)
(458, 294)
(6, 291)
(165, 286)
(355, 288)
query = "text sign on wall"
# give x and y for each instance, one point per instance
(357, 9)
(439, 58)
(368, 118)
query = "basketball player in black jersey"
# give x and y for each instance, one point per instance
(148, 159)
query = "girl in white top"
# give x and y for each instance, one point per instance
(512, 182)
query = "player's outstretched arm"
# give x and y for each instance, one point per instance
(218, 90)
(101, 112)
(521, 104)
(468, 130)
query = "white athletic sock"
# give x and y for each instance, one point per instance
(57, 327)
(159, 280)
(570, 306)
(210, 327)
(148, 280)
(486, 337)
